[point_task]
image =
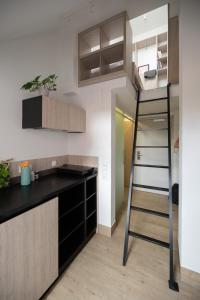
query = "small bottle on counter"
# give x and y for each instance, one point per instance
(25, 173)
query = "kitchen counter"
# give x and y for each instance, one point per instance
(17, 199)
(44, 225)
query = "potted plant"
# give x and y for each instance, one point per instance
(43, 86)
(4, 174)
(49, 84)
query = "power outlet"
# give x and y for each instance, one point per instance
(53, 163)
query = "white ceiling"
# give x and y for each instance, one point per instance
(150, 21)
(20, 18)
(24, 17)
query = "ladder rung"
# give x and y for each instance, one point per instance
(153, 99)
(150, 187)
(151, 166)
(148, 239)
(153, 129)
(149, 211)
(153, 114)
(151, 146)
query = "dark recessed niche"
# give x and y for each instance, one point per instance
(90, 187)
(91, 223)
(91, 205)
(71, 198)
(71, 245)
(77, 219)
(70, 221)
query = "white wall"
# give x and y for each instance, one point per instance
(20, 61)
(98, 101)
(189, 210)
(146, 56)
(150, 21)
(119, 162)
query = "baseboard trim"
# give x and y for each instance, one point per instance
(105, 230)
(187, 274)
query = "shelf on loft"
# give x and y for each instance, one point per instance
(89, 54)
(163, 59)
(162, 37)
(89, 41)
(112, 31)
(162, 71)
(90, 66)
(91, 61)
(112, 58)
(162, 47)
(110, 68)
(113, 53)
(107, 54)
(146, 42)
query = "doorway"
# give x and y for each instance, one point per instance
(124, 140)
(150, 47)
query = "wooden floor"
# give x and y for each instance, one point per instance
(97, 273)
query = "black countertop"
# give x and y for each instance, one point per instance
(17, 199)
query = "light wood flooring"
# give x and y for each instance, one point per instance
(97, 272)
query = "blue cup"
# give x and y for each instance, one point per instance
(25, 176)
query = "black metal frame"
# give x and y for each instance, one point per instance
(172, 283)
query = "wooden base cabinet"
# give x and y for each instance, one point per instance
(29, 253)
(38, 245)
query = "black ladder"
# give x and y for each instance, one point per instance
(172, 283)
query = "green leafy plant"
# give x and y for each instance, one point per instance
(4, 174)
(48, 84)
(33, 85)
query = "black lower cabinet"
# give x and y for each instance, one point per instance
(69, 222)
(91, 223)
(69, 246)
(77, 219)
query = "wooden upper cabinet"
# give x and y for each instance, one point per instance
(44, 112)
(76, 119)
(105, 50)
(29, 253)
(173, 49)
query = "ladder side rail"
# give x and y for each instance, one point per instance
(125, 255)
(172, 284)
